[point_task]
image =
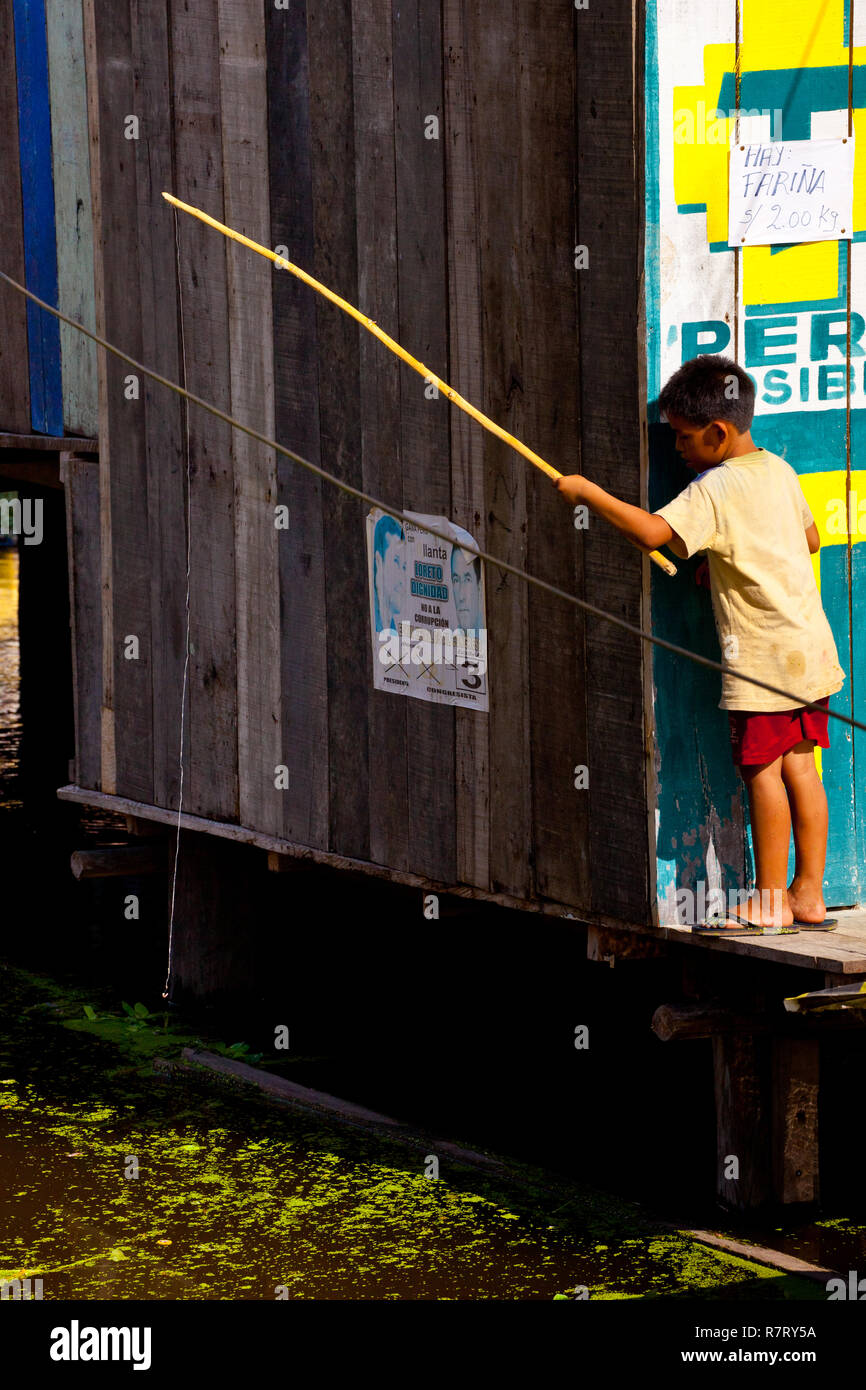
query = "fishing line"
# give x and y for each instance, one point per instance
(502, 565)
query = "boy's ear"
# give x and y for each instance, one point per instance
(716, 434)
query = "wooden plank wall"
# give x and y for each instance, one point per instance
(163, 412)
(199, 174)
(349, 675)
(609, 223)
(303, 720)
(421, 159)
(128, 719)
(243, 110)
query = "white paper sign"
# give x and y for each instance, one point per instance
(427, 611)
(791, 191)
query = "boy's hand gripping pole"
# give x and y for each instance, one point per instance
(394, 346)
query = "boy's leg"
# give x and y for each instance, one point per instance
(808, 802)
(771, 836)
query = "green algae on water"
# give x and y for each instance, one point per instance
(124, 1184)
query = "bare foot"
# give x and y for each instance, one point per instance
(807, 902)
(768, 908)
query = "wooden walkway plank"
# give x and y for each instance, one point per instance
(424, 426)
(74, 221)
(376, 211)
(472, 731)
(301, 553)
(243, 107)
(212, 746)
(843, 950)
(37, 198)
(14, 356)
(349, 676)
(128, 730)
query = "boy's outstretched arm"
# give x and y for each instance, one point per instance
(643, 529)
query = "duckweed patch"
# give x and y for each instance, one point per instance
(121, 1184)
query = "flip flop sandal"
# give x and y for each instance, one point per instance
(714, 925)
(828, 924)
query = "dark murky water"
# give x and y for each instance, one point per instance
(120, 1185)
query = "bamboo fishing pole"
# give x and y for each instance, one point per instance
(454, 396)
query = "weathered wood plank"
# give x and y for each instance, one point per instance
(609, 222)
(329, 27)
(611, 946)
(424, 434)
(163, 411)
(119, 861)
(243, 108)
(42, 470)
(836, 950)
(305, 853)
(211, 751)
(14, 375)
(73, 218)
(679, 1022)
(81, 482)
(472, 730)
(123, 484)
(496, 92)
(214, 948)
(548, 291)
(37, 201)
(301, 592)
(48, 443)
(107, 772)
(795, 1119)
(741, 1070)
(375, 204)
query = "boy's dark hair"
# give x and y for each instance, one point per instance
(710, 388)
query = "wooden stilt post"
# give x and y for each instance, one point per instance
(795, 1119)
(742, 1074)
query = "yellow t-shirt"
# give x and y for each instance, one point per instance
(750, 515)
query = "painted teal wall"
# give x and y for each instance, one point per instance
(702, 810)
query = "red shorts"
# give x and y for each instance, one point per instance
(761, 738)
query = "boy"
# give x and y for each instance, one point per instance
(746, 509)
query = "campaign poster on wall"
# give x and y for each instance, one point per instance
(427, 610)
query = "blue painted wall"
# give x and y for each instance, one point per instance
(37, 192)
